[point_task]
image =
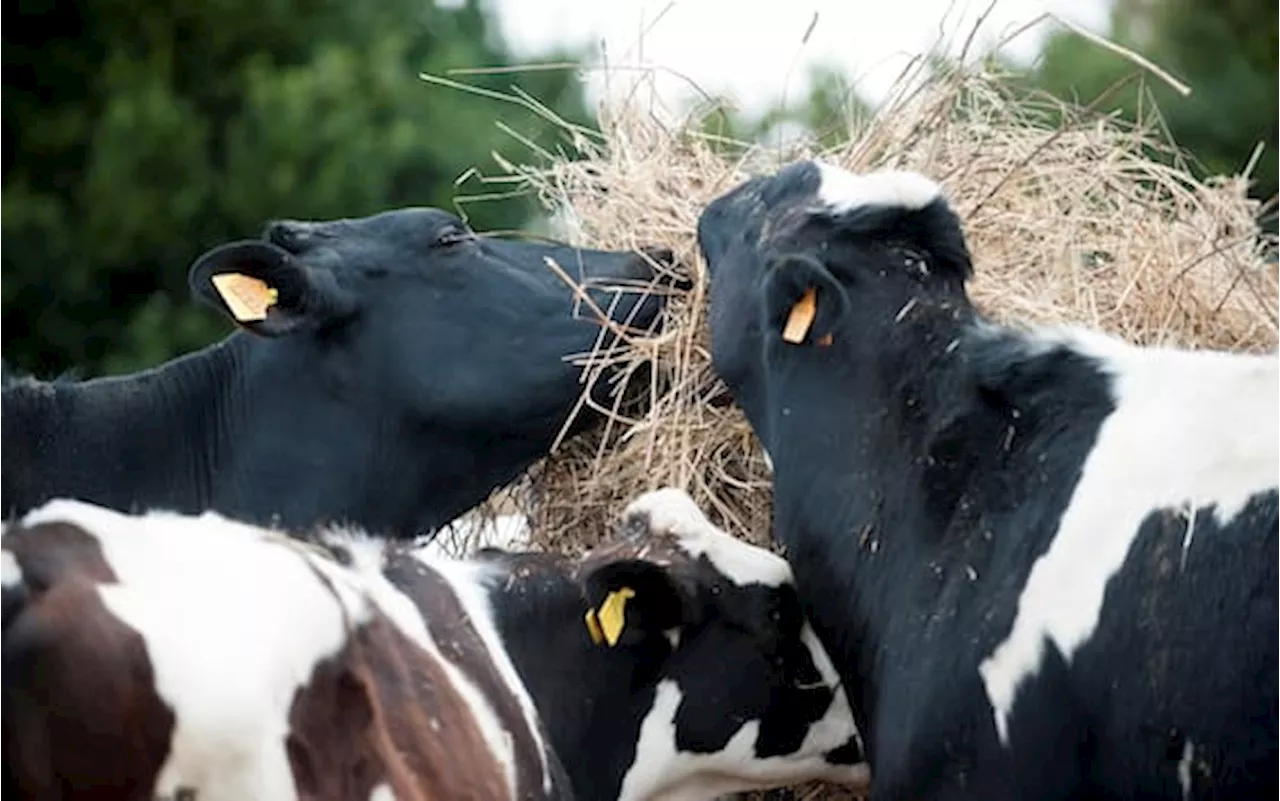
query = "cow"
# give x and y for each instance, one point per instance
(1043, 559)
(168, 655)
(387, 371)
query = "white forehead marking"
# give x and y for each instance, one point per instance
(842, 191)
(672, 511)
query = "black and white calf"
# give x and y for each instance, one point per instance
(1045, 560)
(671, 662)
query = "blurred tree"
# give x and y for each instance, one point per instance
(1226, 50)
(138, 134)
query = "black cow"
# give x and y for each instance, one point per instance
(406, 368)
(1043, 560)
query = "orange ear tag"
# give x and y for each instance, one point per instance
(248, 298)
(801, 317)
(612, 614)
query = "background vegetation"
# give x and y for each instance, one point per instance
(137, 135)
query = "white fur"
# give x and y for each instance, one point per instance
(842, 191)
(1184, 767)
(382, 793)
(232, 629)
(10, 570)
(661, 772)
(1190, 429)
(672, 511)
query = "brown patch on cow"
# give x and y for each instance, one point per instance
(451, 628)
(384, 710)
(81, 714)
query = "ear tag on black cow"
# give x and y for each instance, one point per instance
(801, 317)
(593, 627)
(247, 297)
(613, 615)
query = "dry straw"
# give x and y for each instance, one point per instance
(1082, 220)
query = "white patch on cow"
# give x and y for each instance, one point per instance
(233, 629)
(842, 191)
(837, 725)
(10, 570)
(1184, 767)
(405, 615)
(470, 584)
(673, 512)
(660, 771)
(1189, 428)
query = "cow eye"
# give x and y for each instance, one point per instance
(453, 235)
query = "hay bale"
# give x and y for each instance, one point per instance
(1082, 222)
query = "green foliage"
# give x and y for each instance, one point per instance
(139, 134)
(1225, 50)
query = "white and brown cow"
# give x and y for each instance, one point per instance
(173, 656)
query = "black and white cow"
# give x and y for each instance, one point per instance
(404, 369)
(160, 653)
(1043, 560)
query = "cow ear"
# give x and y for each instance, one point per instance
(631, 599)
(266, 290)
(803, 302)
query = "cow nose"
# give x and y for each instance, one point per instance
(292, 235)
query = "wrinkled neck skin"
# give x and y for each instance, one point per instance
(875, 457)
(588, 695)
(153, 439)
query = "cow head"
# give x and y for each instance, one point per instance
(410, 356)
(743, 694)
(817, 265)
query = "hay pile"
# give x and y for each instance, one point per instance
(1088, 221)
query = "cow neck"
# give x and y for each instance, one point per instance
(869, 463)
(164, 428)
(590, 697)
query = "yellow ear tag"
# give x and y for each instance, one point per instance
(593, 627)
(248, 298)
(801, 317)
(613, 615)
